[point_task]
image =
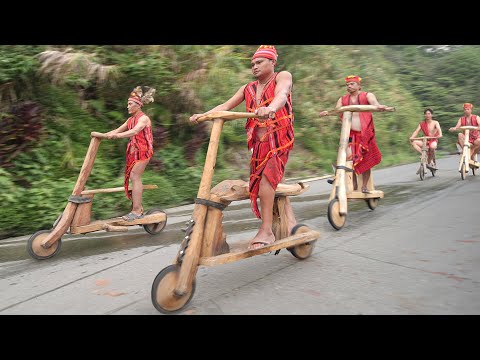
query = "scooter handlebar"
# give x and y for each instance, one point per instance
(98, 135)
(424, 137)
(226, 115)
(358, 108)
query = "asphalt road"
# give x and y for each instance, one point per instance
(418, 252)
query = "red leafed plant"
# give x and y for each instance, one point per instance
(20, 128)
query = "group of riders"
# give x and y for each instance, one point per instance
(270, 137)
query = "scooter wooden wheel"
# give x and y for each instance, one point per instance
(302, 251)
(155, 228)
(333, 215)
(163, 291)
(422, 172)
(37, 251)
(463, 172)
(372, 203)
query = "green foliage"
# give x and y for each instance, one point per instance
(18, 62)
(184, 178)
(33, 208)
(150, 69)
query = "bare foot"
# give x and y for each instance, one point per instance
(263, 238)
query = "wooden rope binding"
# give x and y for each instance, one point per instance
(344, 168)
(210, 203)
(79, 199)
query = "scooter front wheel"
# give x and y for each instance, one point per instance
(163, 291)
(37, 251)
(463, 172)
(334, 217)
(422, 172)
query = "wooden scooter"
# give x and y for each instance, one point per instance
(205, 241)
(44, 244)
(343, 182)
(466, 163)
(424, 157)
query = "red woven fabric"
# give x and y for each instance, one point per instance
(273, 169)
(269, 154)
(365, 152)
(266, 51)
(424, 128)
(139, 148)
(474, 134)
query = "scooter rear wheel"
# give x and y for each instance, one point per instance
(372, 203)
(155, 228)
(302, 251)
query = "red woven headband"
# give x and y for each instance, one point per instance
(266, 51)
(353, 78)
(136, 100)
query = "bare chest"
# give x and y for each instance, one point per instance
(353, 100)
(468, 121)
(259, 94)
(431, 128)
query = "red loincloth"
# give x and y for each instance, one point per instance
(272, 169)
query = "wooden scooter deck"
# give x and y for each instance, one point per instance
(474, 164)
(100, 224)
(239, 250)
(374, 194)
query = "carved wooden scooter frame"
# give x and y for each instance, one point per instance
(44, 244)
(466, 163)
(424, 157)
(205, 241)
(343, 182)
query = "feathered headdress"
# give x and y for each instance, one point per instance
(137, 96)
